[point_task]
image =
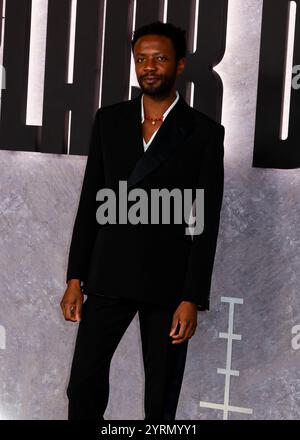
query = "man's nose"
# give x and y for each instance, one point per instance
(149, 65)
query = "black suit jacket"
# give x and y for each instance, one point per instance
(157, 263)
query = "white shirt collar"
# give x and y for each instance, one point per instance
(165, 113)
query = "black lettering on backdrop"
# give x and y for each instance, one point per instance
(269, 150)
(82, 96)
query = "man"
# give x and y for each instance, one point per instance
(154, 141)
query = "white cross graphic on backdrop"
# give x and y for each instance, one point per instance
(228, 372)
(2, 338)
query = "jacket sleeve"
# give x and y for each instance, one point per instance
(201, 258)
(85, 226)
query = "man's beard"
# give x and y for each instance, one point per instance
(160, 91)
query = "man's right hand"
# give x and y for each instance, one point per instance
(71, 303)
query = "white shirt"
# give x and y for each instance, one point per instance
(146, 144)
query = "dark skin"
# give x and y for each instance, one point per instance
(157, 69)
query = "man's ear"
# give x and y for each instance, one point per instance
(180, 66)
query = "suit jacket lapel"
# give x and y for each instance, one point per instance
(132, 144)
(171, 135)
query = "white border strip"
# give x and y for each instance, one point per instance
(165, 13)
(72, 41)
(196, 25)
(36, 68)
(286, 99)
(102, 52)
(69, 122)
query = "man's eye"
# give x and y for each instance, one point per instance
(161, 58)
(139, 60)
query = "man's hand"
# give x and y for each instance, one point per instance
(186, 317)
(71, 303)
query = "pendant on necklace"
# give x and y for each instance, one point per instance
(153, 122)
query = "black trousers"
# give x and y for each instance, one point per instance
(104, 322)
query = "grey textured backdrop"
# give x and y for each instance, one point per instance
(257, 260)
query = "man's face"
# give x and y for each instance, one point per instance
(156, 65)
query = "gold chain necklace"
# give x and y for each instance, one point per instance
(153, 120)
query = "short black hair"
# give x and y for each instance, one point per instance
(176, 35)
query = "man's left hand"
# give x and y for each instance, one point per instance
(185, 317)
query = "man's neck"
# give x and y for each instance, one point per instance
(157, 105)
